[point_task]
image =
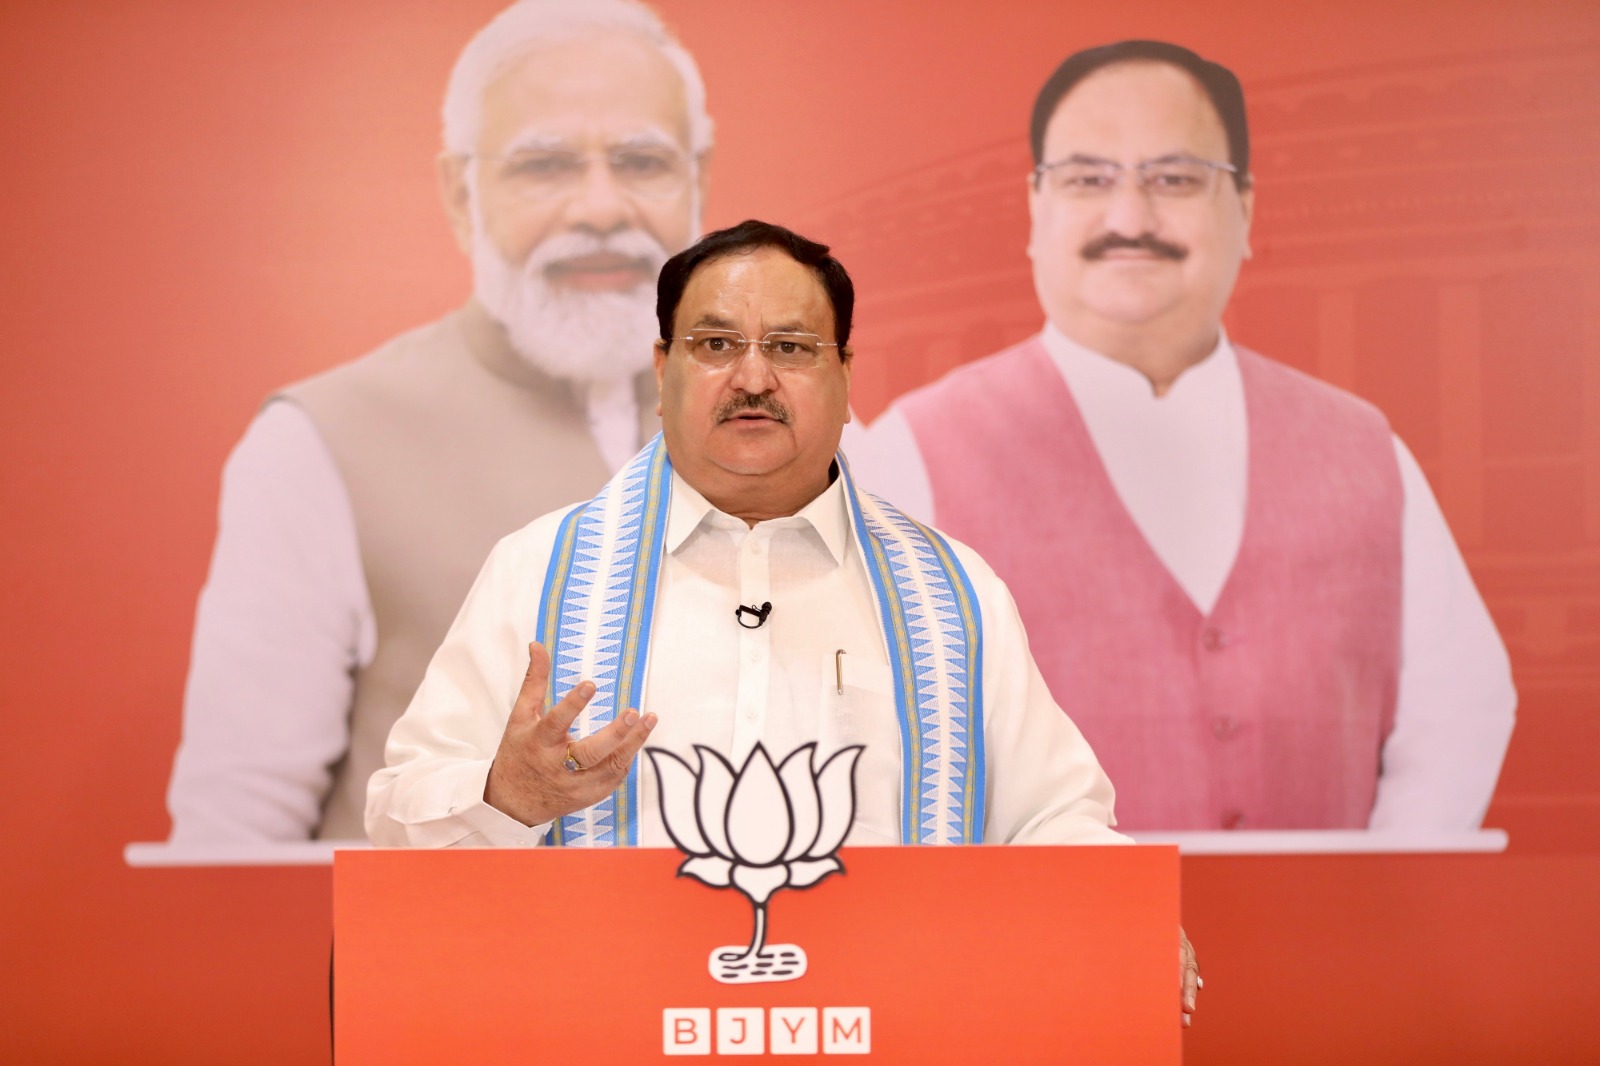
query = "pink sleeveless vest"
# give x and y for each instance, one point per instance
(1271, 711)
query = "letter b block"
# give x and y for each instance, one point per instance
(686, 1031)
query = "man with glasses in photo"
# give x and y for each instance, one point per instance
(1235, 578)
(360, 503)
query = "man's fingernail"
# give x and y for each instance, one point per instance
(650, 720)
(1186, 1021)
(585, 690)
(1199, 982)
(629, 717)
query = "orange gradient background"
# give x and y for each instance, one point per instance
(204, 201)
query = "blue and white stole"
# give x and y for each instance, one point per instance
(599, 598)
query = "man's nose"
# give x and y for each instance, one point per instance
(752, 371)
(1129, 209)
(599, 202)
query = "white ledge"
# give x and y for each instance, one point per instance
(1257, 842)
(264, 853)
(1328, 842)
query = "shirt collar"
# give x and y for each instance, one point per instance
(828, 514)
(1086, 369)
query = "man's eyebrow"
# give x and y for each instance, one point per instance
(647, 138)
(793, 325)
(535, 141)
(540, 141)
(712, 320)
(1084, 157)
(1097, 160)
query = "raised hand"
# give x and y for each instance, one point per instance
(539, 772)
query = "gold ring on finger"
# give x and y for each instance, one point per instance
(572, 765)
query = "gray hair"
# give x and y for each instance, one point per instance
(528, 24)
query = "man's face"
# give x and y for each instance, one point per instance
(568, 265)
(750, 437)
(1176, 284)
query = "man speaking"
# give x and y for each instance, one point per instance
(731, 584)
(1235, 576)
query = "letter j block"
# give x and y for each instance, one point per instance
(686, 1031)
(740, 1031)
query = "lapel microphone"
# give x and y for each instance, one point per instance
(758, 613)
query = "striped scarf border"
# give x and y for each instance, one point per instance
(594, 617)
(934, 634)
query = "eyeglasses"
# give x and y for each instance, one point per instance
(718, 349)
(1171, 178)
(651, 172)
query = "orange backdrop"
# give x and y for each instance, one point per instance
(203, 201)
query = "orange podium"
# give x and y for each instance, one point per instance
(985, 954)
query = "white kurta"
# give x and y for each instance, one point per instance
(713, 682)
(1179, 465)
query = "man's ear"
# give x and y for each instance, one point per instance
(661, 368)
(1247, 204)
(1033, 211)
(456, 194)
(846, 361)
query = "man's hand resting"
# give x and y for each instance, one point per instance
(1188, 976)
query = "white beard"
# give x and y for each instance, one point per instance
(583, 337)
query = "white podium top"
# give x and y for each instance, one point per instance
(1260, 842)
(264, 853)
(1327, 842)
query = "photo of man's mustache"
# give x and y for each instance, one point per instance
(753, 401)
(1147, 242)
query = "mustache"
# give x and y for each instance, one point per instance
(573, 244)
(753, 401)
(1144, 242)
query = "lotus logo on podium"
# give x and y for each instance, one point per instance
(759, 829)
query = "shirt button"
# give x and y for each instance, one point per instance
(1233, 820)
(1213, 639)
(1224, 728)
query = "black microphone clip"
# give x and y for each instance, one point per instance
(760, 614)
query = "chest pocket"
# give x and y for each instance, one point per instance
(864, 713)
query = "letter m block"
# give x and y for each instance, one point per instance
(846, 1030)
